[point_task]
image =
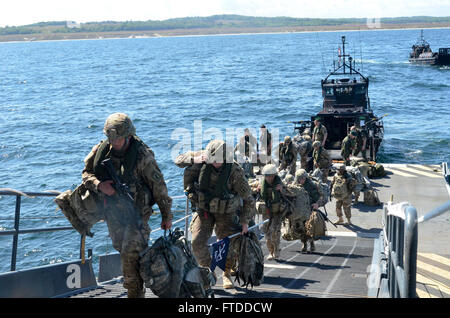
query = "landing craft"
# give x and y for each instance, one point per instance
(422, 53)
(346, 102)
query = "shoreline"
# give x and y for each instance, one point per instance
(38, 37)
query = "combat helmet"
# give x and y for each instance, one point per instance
(269, 169)
(287, 139)
(217, 151)
(118, 125)
(300, 173)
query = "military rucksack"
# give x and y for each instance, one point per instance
(315, 226)
(170, 270)
(324, 191)
(371, 198)
(250, 262)
(357, 176)
(377, 171)
(340, 187)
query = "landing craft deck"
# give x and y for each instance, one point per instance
(342, 261)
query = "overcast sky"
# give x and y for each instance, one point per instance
(20, 12)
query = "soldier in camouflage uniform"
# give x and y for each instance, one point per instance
(360, 141)
(320, 132)
(341, 189)
(135, 164)
(302, 179)
(272, 207)
(216, 185)
(347, 147)
(322, 160)
(288, 155)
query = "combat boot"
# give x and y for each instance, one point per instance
(312, 247)
(340, 221)
(226, 279)
(348, 221)
(305, 247)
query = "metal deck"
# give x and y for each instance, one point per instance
(341, 263)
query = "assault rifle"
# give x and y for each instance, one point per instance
(124, 198)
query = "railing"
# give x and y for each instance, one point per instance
(15, 233)
(400, 248)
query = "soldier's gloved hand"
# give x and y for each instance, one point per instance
(106, 187)
(166, 225)
(315, 206)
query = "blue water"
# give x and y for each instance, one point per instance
(55, 97)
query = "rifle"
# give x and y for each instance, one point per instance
(124, 197)
(375, 119)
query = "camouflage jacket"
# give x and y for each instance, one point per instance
(319, 133)
(321, 158)
(148, 184)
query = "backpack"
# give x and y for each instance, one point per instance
(294, 230)
(377, 171)
(170, 270)
(371, 198)
(356, 174)
(340, 188)
(315, 226)
(250, 262)
(324, 191)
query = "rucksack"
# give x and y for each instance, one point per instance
(356, 174)
(250, 262)
(324, 191)
(377, 171)
(170, 270)
(371, 198)
(315, 226)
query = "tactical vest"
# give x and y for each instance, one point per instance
(142, 194)
(269, 194)
(287, 153)
(216, 198)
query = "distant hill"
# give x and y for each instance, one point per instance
(219, 23)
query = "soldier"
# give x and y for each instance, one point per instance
(302, 179)
(265, 146)
(341, 189)
(135, 163)
(288, 155)
(305, 148)
(272, 208)
(360, 141)
(320, 132)
(322, 160)
(347, 147)
(216, 185)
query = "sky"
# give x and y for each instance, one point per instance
(22, 12)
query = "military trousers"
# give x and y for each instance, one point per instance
(129, 237)
(344, 203)
(202, 226)
(272, 229)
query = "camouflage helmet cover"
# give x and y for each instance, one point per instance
(118, 125)
(216, 151)
(269, 169)
(300, 173)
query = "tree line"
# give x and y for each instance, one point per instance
(216, 21)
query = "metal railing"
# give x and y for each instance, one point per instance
(400, 243)
(17, 217)
(15, 233)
